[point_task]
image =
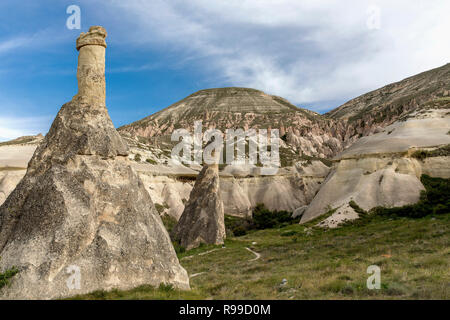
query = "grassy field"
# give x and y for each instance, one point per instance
(413, 255)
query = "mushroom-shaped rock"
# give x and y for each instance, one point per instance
(81, 219)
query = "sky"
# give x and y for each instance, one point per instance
(316, 54)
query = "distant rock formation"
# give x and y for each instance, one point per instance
(81, 219)
(379, 170)
(303, 130)
(202, 220)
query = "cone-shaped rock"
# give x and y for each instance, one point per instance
(81, 219)
(202, 220)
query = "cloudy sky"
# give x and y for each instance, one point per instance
(317, 54)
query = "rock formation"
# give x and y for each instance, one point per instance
(381, 170)
(14, 158)
(305, 131)
(202, 220)
(81, 208)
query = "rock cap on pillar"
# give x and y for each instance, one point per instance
(95, 36)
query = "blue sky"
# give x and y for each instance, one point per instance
(317, 54)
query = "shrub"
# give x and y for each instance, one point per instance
(169, 222)
(262, 219)
(439, 152)
(137, 157)
(178, 248)
(6, 276)
(434, 200)
(166, 287)
(357, 208)
(151, 161)
(237, 226)
(265, 219)
(160, 208)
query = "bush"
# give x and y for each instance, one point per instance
(178, 248)
(262, 219)
(137, 157)
(357, 208)
(161, 207)
(236, 226)
(434, 200)
(265, 219)
(151, 161)
(6, 276)
(169, 222)
(439, 152)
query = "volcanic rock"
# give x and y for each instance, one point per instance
(81, 220)
(202, 220)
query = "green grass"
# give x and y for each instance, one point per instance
(413, 255)
(169, 222)
(163, 292)
(410, 244)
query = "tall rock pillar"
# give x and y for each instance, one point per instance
(81, 220)
(91, 66)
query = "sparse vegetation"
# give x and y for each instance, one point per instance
(21, 140)
(151, 161)
(169, 222)
(439, 152)
(6, 276)
(145, 292)
(137, 157)
(161, 207)
(357, 208)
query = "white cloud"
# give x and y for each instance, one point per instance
(11, 44)
(307, 51)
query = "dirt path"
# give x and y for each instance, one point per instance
(200, 254)
(255, 253)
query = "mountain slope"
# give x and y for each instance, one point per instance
(306, 132)
(221, 108)
(394, 101)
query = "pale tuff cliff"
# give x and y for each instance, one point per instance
(381, 170)
(81, 206)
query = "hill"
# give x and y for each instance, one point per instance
(397, 100)
(305, 132)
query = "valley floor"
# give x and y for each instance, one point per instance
(413, 255)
